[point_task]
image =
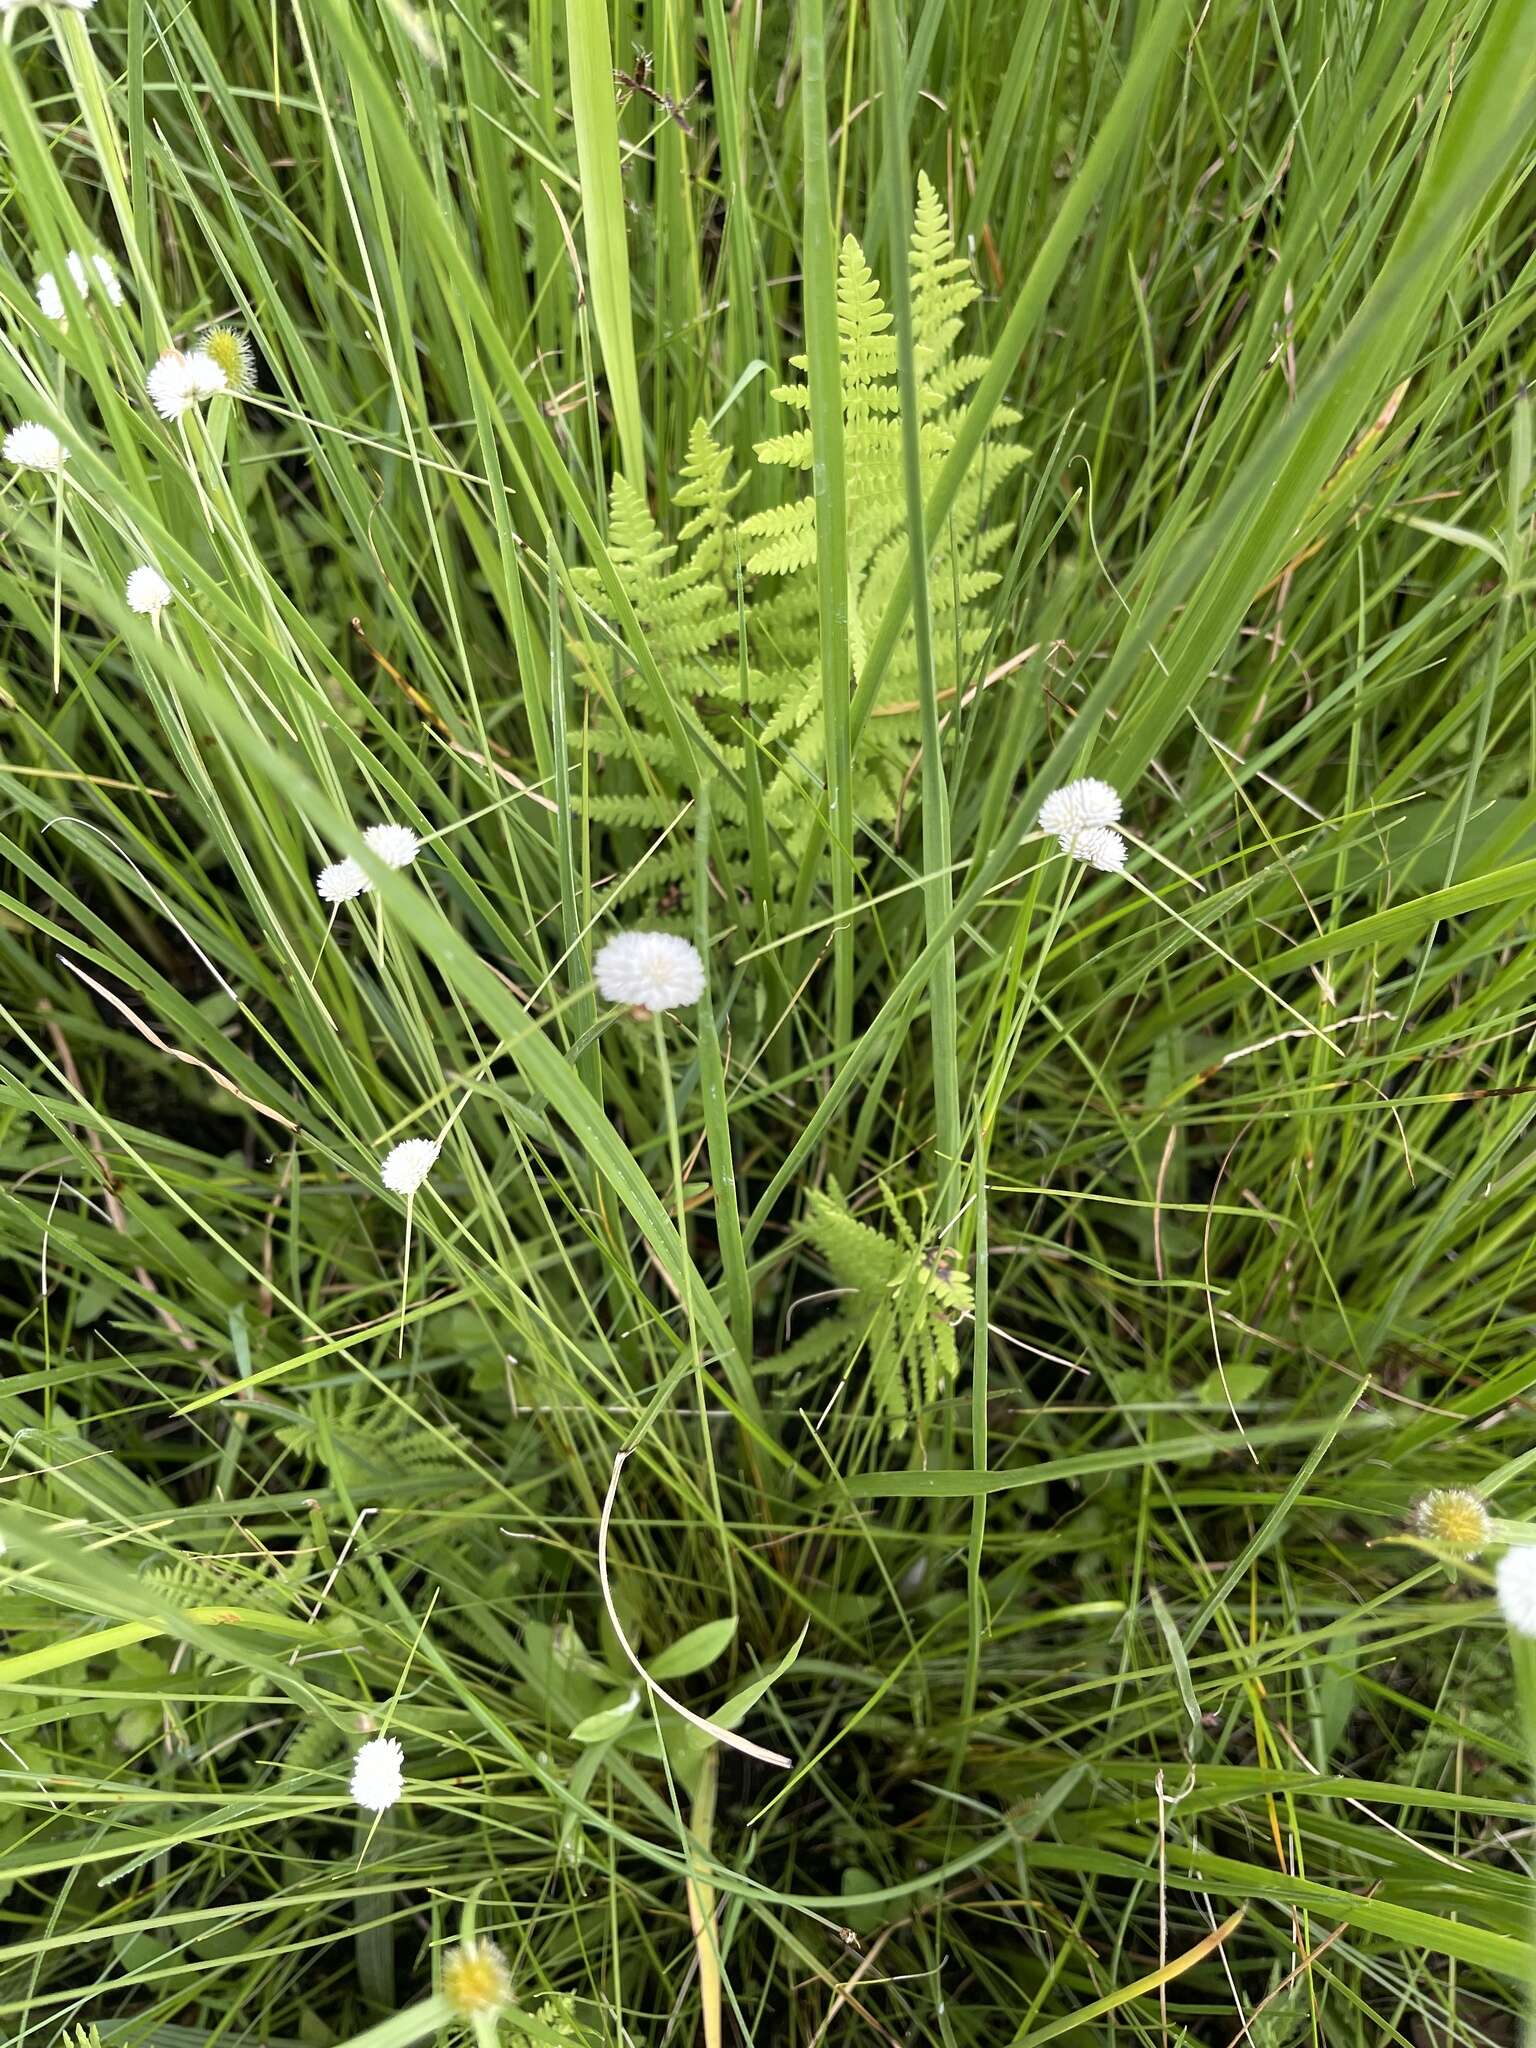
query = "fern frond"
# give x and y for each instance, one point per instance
(360, 1440)
(782, 539)
(721, 649)
(858, 1256)
(706, 484)
(903, 1303)
(314, 1745)
(650, 813)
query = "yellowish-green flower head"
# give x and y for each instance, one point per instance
(476, 1979)
(235, 357)
(1455, 1520)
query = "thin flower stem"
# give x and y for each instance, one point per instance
(690, 1277)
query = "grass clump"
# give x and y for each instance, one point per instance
(876, 1459)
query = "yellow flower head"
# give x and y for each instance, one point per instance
(1455, 1519)
(476, 1979)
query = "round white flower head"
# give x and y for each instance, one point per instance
(407, 1165)
(1101, 847)
(178, 381)
(106, 277)
(147, 591)
(205, 377)
(476, 1979)
(51, 299)
(1077, 807)
(341, 881)
(378, 1774)
(650, 971)
(1515, 1580)
(1455, 1518)
(169, 387)
(31, 446)
(396, 845)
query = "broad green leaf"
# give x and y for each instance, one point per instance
(609, 1721)
(692, 1652)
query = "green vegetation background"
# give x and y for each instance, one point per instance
(1204, 1196)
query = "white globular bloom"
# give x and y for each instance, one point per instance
(106, 277)
(650, 971)
(168, 387)
(1515, 1579)
(407, 1165)
(178, 381)
(1087, 805)
(147, 591)
(1101, 846)
(49, 297)
(205, 377)
(341, 881)
(378, 1774)
(32, 446)
(396, 845)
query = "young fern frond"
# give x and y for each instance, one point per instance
(359, 1440)
(901, 1304)
(729, 609)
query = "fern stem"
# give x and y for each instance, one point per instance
(937, 901)
(824, 378)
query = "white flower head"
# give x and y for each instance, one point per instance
(396, 845)
(98, 274)
(1087, 805)
(205, 377)
(147, 591)
(106, 277)
(1514, 1578)
(32, 446)
(407, 1165)
(168, 386)
(1101, 846)
(178, 381)
(650, 971)
(378, 1774)
(341, 881)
